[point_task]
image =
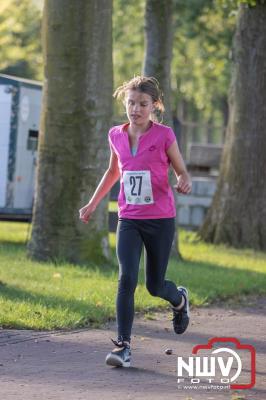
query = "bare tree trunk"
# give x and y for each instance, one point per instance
(225, 113)
(238, 212)
(159, 45)
(76, 116)
(157, 62)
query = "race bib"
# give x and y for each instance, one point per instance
(137, 187)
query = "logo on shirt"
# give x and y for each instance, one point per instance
(147, 199)
(152, 148)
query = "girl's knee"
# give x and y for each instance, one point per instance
(127, 282)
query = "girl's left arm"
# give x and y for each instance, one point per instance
(184, 183)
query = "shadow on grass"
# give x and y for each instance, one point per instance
(10, 246)
(206, 283)
(213, 283)
(90, 314)
(107, 268)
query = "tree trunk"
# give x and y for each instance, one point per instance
(238, 213)
(157, 62)
(225, 113)
(76, 115)
(159, 45)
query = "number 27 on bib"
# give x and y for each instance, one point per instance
(137, 187)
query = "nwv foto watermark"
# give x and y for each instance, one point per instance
(220, 368)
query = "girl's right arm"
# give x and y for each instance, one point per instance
(109, 178)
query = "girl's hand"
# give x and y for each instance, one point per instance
(86, 212)
(184, 184)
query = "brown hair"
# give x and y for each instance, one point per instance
(144, 84)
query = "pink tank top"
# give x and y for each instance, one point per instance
(145, 192)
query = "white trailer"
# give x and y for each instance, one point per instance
(20, 108)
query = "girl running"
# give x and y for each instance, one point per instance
(141, 153)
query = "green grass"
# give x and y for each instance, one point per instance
(35, 295)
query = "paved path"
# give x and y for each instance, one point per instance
(70, 365)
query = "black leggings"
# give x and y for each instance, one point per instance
(157, 236)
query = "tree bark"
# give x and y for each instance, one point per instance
(157, 62)
(238, 212)
(159, 45)
(76, 115)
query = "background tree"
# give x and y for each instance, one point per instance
(128, 45)
(76, 116)
(200, 67)
(200, 73)
(200, 64)
(157, 61)
(159, 46)
(20, 45)
(238, 212)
